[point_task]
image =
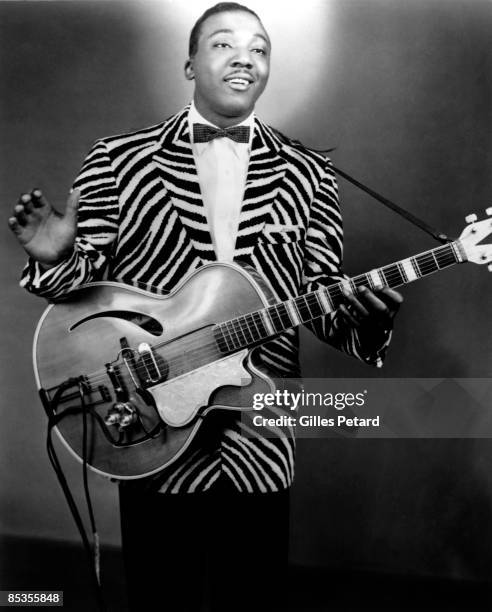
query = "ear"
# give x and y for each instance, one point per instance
(188, 70)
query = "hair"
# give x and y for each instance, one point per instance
(221, 7)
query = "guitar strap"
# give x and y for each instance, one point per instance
(439, 236)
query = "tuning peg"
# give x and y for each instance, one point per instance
(471, 218)
(489, 211)
(489, 267)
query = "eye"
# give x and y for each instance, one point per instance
(260, 51)
(221, 45)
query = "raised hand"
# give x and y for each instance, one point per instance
(47, 235)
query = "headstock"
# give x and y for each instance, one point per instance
(472, 237)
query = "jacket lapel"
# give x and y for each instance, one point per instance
(177, 169)
(265, 173)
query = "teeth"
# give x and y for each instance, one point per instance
(239, 81)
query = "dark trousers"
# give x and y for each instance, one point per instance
(213, 551)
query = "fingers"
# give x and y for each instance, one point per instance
(372, 308)
(385, 301)
(27, 203)
(32, 207)
(349, 315)
(38, 199)
(389, 302)
(28, 208)
(21, 212)
(14, 225)
(353, 309)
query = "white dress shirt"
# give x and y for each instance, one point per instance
(222, 166)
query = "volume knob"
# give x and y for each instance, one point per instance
(471, 218)
(113, 417)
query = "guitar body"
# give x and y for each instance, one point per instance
(147, 366)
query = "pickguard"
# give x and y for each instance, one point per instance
(179, 399)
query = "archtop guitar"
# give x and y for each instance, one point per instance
(146, 369)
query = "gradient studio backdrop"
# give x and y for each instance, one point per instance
(403, 91)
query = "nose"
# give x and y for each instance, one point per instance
(242, 59)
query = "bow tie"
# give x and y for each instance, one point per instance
(203, 132)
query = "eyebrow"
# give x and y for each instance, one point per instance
(229, 31)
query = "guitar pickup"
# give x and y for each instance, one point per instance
(128, 357)
(148, 363)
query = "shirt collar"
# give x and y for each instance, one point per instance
(194, 116)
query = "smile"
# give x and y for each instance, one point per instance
(239, 82)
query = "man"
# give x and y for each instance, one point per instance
(154, 206)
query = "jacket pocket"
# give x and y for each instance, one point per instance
(277, 233)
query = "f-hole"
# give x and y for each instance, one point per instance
(144, 321)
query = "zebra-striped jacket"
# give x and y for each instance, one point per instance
(142, 222)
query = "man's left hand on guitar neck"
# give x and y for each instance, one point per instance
(371, 313)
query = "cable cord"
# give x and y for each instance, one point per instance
(92, 553)
(95, 535)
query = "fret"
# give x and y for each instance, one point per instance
(259, 324)
(295, 317)
(346, 285)
(360, 281)
(275, 319)
(415, 267)
(375, 279)
(392, 275)
(225, 332)
(446, 257)
(236, 341)
(284, 315)
(280, 317)
(256, 330)
(304, 308)
(324, 298)
(402, 272)
(320, 307)
(245, 330)
(267, 321)
(335, 294)
(408, 270)
(240, 331)
(425, 264)
(314, 305)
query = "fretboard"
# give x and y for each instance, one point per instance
(255, 327)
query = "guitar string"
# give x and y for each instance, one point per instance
(152, 370)
(333, 289)
(393, 273)
(396, 276)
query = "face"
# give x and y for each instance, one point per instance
(230, 67)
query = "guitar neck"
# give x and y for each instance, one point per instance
(255, 327)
